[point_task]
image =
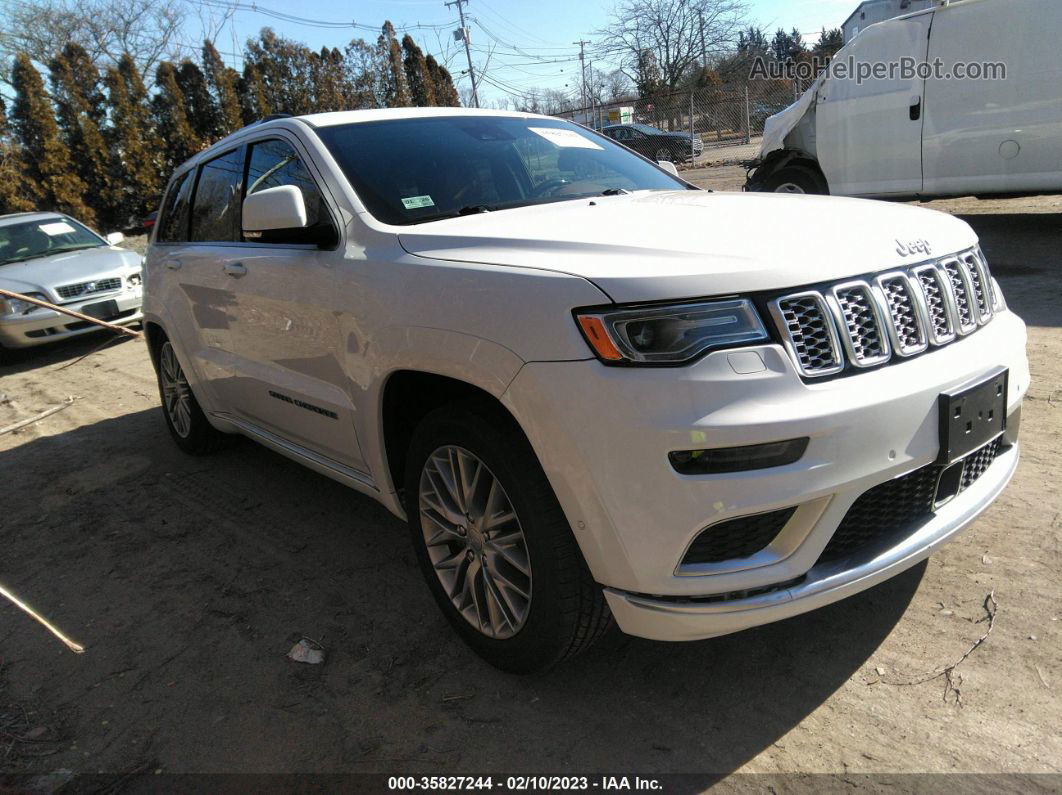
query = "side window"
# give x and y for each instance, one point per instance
(173, 220)
(216, 209)
(274, 163)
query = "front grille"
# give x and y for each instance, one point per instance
(69, 291)
(898, 313)
(737, 538)
(865, 331)
(810, 330)
(893, 510)
(960, 288)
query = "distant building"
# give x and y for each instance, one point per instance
(872, 11)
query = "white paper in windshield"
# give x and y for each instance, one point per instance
(57, 228)
(565, 138)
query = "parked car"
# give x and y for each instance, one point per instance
(60, 260)
(905, 136)
(587, 388)
(675, 147)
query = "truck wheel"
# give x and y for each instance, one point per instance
(185, 419)
(493, 542)
(796, 180)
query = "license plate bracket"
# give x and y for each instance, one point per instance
(102, 310)
(972, 416)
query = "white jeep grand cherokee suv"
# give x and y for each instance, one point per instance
(593, 390)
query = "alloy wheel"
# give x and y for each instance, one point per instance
(790, 187)
(664, 154)
(176, 394)
(475, 542)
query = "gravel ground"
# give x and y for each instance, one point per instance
(188, 579)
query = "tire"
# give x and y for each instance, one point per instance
(664, 154)
(796, 180)
(184, 418)
(565, 611)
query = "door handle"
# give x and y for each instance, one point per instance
(235, 269)
(173, 264)
(916, 108)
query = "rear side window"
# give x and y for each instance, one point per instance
(216, 209)
(274, 163)
(173, 220)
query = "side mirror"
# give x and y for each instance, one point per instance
(273, 209)
(115, 238)
(668, 166)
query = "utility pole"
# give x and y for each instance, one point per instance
(704, 50)
(468, 52)
(582, 66)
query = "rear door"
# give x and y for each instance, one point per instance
(291, 380)
(869, 128)
(996, 134)
(187, 290)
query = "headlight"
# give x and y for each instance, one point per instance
(13, 306)
(670, 334)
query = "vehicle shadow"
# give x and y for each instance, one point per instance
(21, 360)
(188, 579)
(1023, 253)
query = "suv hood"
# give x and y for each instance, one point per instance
(689, 244)
(70, 267)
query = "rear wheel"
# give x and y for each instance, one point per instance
(185, 419)
(493, 542)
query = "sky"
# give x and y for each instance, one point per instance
(516, 45)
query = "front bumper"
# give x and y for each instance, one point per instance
(603, 435)
(46, 325)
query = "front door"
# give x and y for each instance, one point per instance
(869, 120)
(290, 378)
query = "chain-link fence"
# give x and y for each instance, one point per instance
(717, 117)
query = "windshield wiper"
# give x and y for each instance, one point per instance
(472, 209)
(615, 192)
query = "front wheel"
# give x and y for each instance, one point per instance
(796, 180)
(664, 155)
(493, 542)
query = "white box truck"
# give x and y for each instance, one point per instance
(937, 132)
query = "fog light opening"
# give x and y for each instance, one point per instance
(738, 459)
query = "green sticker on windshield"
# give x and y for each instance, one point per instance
(417, 202)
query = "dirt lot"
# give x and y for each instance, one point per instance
(187, 580)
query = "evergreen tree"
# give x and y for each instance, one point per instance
(80, 110)
(330, 86)
(223, 82)
(203, 112)
(18, 192)
(46, 156)
(396, 90)
(421, 86)
(254, 104)
(829, 43)
(171, 111)
(135, 168)
(446, 95)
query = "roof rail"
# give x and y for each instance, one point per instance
(273, 116)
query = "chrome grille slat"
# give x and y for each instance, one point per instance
(902, 312)
(810, 334)
(865, 338)
(69, 291)
(960, 287)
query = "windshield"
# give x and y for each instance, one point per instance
(410, 171)
(44, 237)
(645, 128)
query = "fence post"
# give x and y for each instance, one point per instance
(693, 154)
(748, 118)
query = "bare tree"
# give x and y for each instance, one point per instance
(106, 29)
(665, 40)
